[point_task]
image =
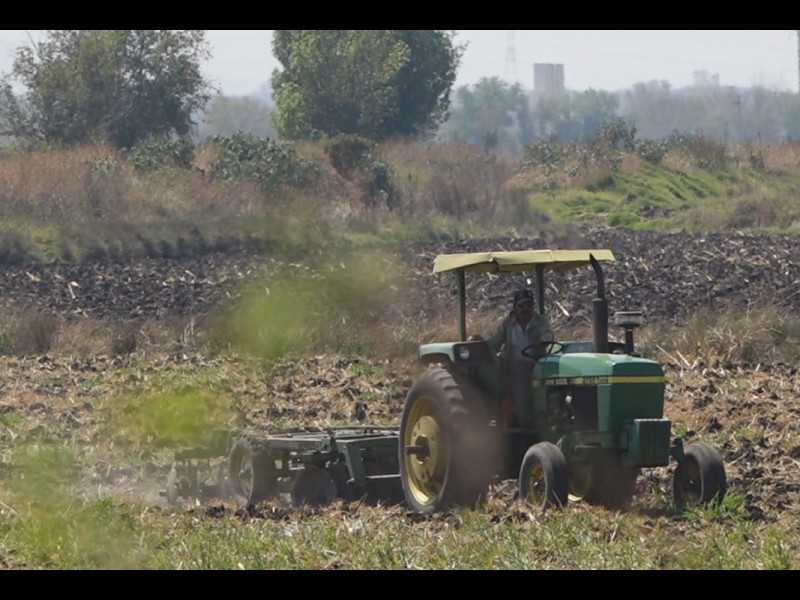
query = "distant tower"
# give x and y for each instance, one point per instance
(511, 60)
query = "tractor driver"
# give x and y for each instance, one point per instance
(520, 328)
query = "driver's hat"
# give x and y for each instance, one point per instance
(522, 296)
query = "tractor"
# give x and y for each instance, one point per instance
(598, 409)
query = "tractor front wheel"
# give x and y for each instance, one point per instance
(448, 450)
(544, 477)
(699, 478)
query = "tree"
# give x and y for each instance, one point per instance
(491, 114)
(593, 109)
(571, 117)
(653, 108)
(551, 117)
(372, 83)
(119, 86)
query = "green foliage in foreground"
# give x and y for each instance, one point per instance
(321, 306)
(46, 524)
(108, 534)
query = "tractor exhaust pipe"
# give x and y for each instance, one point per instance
(599, 310)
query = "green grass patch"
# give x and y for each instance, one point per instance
(326, 304)
(167, 418)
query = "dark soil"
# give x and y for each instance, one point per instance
(667, 276)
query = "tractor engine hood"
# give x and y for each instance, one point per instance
(593, 365)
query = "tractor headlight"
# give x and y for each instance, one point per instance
(463, 352)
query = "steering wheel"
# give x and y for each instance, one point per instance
(538, 350)
(553, 347)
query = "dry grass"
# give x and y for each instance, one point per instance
(90, 201)
(768, 334)
(30, 331)
(776, 156)
(450, 179)
(50, 184)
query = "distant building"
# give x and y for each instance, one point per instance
(548, 80)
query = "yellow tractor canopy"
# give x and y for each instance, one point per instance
(518, 260)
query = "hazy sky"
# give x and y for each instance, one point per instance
(608, 60)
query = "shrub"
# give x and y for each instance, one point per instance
(348, 152)
(272, 165)
(353, 158)
(29, 331)
(703, 151)
(549, 154)
(159, 152)
(653, 151)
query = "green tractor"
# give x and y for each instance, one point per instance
(598, 410)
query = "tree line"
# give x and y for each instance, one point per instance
(126, 86)
(494, 114)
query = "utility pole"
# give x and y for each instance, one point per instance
(798, 58)
(511, 60)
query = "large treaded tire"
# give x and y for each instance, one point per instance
(699, 478)
(448, 451)
(251, 472)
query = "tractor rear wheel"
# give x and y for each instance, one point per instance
(700, 477)
(544, 477)
(251, 473)
(448, 449)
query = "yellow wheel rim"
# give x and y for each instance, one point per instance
(537, 486)
(426, 467)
